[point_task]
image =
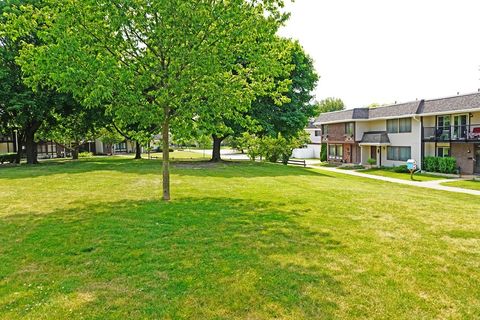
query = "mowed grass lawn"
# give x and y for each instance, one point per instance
(91, 240)
(402, 176)
(466, 184)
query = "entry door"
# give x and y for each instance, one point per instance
(348, 153)
(477, 158)
(460, 127)
(373, 153)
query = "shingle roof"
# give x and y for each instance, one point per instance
(463, 102)
(350, 114)
(395, 110)
(375, 137)
(450, 104)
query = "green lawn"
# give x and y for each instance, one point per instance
(467, 184)
(403, 176)
(91, 240)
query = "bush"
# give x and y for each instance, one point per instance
(85, 155)
(401, 169)
(431, 164)
(8, 157)
(323, 152)
(372, 161)
(439, 164)
(448, 165)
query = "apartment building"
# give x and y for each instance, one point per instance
(395, 133)
(312, 149)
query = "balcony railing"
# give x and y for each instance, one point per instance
(469, 132)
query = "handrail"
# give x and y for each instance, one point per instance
(467, 132)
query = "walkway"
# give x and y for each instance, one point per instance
(434, 184)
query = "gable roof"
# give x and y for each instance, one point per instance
(419, 107)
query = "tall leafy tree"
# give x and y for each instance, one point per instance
(268, 115)
(330, 105)
(22, 108)
(157, 59)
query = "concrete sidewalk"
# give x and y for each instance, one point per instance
(434, 184)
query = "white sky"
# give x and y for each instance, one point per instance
(385, 51)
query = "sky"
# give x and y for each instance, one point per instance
(382, 51)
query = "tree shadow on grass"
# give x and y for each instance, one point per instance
(181, 167)
(203, 259)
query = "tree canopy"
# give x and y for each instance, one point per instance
(331, 104)
(154, 61)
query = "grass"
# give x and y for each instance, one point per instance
(402, 176)
(91, 240)
(466, 184)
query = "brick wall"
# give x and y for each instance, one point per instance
(464, 158)
(336, 132)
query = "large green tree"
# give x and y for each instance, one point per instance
(22, 108)
(268, 115)
(157, 59)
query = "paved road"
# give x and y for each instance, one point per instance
(434, 184)
(226, 154)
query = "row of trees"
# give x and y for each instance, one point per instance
(182, 68)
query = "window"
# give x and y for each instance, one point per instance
(318, 133)
(339, 151)
(405, 125)
(399, 153)
(444, 122)
(349, 128)
(325, 129)
(399, 125)
(331, 151)
(335, 151)
(443, 152)
(392, 126)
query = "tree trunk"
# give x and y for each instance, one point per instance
(31, 145)
(216, 154)
(166, 155)
(75, 154)
(138, 150)
(19, 146)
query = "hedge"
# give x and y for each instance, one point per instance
(439, 164)
(8, 157)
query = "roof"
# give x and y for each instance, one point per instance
(457, 103)
(350, 114)
(395, 110)
(375, 138)
(419, 107)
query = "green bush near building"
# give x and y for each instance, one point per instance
(440, 164)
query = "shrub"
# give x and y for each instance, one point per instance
(85, 155)
(431, 164)
(439, 164)
(8, 157)
(372, 161)
(323, 152)
(448, 165)
(401, 169)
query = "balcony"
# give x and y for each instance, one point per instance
(465, 133)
